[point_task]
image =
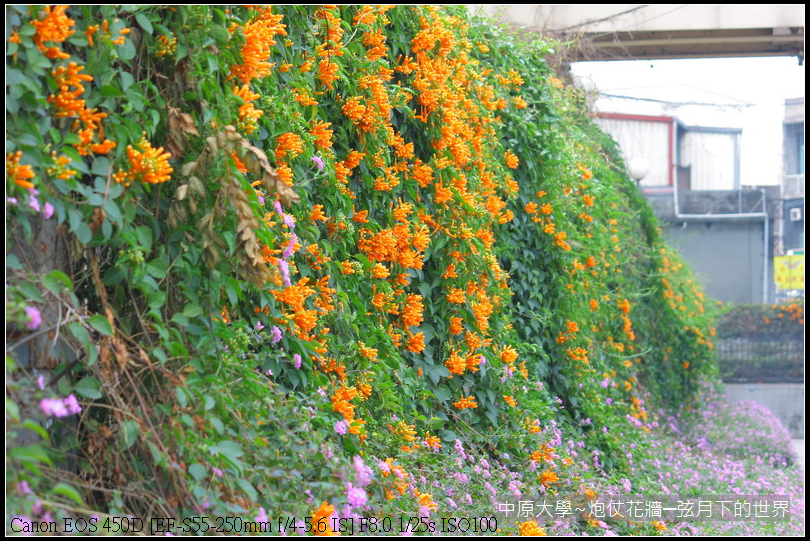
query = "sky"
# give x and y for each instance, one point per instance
(751, 90)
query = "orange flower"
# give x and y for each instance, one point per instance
(248, 114)
(259, 40)
(548, 477)
(455, 325)
(512, 161)
(416, 344)
(327, 73)
(546, 209)
(530, 528)
(465, 403)
(360, 217)
(20, 174)
(55, 27)
(321, 520)
(288, 143)
(322, 135)
(510, 400)
(456, 296)
(456, 364)
(317, 214)
(147, 164)
(379, 271)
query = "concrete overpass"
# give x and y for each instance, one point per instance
(648, 31)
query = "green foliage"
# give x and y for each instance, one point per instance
(262, 244)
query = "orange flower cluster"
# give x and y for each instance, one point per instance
(68, 105)
(21, 175)
(146, 164)
(55, 27)
(248, 114)
(530, 528)
(465, 403)
(322, 520)
(260, 36)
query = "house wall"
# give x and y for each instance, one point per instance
(640, 137)
(713, 159)
(726, 256)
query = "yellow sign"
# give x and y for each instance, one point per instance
(789, 271)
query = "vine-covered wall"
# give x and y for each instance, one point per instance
(254, 252)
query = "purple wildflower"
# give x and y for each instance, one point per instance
(284, 267)
(297, 361)
(41, 382)
(48, 211)
(72, 405)
(342, 427)
(34, 318)
(33, 202)
(318, 162)
(53, 407)
(218, 473)
(356, 496)
(275, 335)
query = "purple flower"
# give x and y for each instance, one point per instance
(262, 516)
(363, 472)
(72, 405)
(275, 335)
(33, 202)
(318, 162)
(289, 221)
(290, 248)
(53, 407)
(259, 326)
(48, 211)
(261, 200)
(605, 383)
(41, 382)
(219, 473)
(23, 488)
(284, 267)
(342, 427)
(608, 401)
(356, 496)
(277, 206)
(12, 200)
(34, 318)
(297, 361)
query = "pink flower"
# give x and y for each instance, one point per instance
(275, 334)
(72, 405)
(33, 202)
(356, 496)
(318, 162)
(297, 361)
(48, 211)
(53, 407)
(41, 382)
(342, 427)
(217, 472)
(34, 318)
(262, 516)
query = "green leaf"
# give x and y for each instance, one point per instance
(144, 235)
(31, 453)
(127, 434)
(197, 471)
(30, 291)
(247, 488)
(109, 91)
(100, 323)
(79, 332)
(192, 310)
(157, 268)
(145, 23)
(89, 387)
(63, 489)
